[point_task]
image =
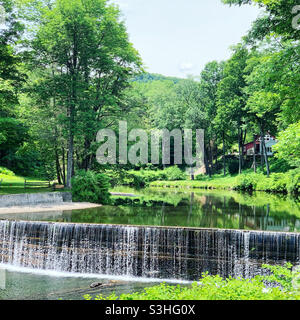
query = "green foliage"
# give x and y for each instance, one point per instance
(216, 288)
(80, 63)
(6, 172)
(247, 182)
(232, 166)
(279, 165)
(12, 135)
(137, 202)
(277, 19)
(288, 147)
(88, 186)
(288, 182)
(293, 181)
(281, 275)
(143, 177)
(174, 174)
(77, 72)
(149, 77)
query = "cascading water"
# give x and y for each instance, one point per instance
(148, 252)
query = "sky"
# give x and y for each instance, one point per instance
(178, 37)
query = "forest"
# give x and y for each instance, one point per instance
(68, 69)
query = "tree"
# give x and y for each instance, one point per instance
(232, 98)
(288, 147)
(278, 19)
(201, 114)
(12, 132)
(85, 49)
(272, 88)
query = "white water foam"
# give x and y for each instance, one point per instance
(61, 274)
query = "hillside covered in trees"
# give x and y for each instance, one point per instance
(68, 69)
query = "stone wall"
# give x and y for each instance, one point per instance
(34, 198)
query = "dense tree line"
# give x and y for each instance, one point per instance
(68, 69)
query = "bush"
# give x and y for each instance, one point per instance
(248, 182)
(142, 178)
(174, 174)
(275, 183)
(293, 181)
(209, 287)
(288, 182)
(88, 186)
(6, 171)
(279, 165)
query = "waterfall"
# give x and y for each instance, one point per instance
(151, 252)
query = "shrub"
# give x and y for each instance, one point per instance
(288, 146)
(6, 171)
(275, 183)
(174, 174)
(288, 182)
(279, 165)
(88, 186)
(209, 287)
(247, 182)
(293, 181)
(232, 166)
(142, 178)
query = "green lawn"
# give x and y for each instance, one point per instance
(279, 182)
(15, 184)
(217, 182)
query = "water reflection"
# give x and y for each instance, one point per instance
(203, 209)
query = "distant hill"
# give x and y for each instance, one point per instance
(148, 77)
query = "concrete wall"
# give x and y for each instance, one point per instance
(34, 198)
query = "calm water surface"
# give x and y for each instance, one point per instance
(26, 285)
(203, 209)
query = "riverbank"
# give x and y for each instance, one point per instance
(12, 184)
(209, 287)
(288, 182)
(40, 202)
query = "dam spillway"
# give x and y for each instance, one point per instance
(143, 251)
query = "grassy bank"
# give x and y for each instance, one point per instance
(282, 280)
(12, 184)
(288, 182)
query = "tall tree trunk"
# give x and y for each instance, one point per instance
(216, 155)
(58, 168)
(264, 150)
(261, 150)
(242, 146)
(70, 160)
(240, 155)
(266, 158)
(211, 159)
(63, 166)
(73, 101)
(254, 153)
(206, 161)
(224, 155)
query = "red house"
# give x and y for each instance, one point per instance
(270, 140)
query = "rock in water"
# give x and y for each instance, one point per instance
(96, 284)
